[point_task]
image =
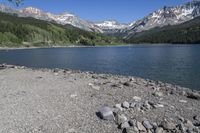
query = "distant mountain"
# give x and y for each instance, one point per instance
(111, 26)
(165, 16)
(26, 32)
(162, 17)
(185, 33)
(65, 18)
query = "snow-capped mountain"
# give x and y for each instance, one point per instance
(111, 26)
(65, 18)
(68, 18)
(162, 17)
(165, 16)
(36, 13)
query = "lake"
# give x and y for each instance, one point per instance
(176, 64)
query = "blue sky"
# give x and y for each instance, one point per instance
(124, 11)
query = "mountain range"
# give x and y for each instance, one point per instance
(162, 17)
(33, 27)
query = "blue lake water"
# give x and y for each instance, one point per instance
(176, 64)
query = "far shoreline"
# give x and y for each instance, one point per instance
(84, 46)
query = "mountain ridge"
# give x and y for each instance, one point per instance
(173, 15)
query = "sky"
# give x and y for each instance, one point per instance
(124, 11)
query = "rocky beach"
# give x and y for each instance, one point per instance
(67, 101)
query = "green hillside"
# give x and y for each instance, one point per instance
(186, 33)
(27, 32)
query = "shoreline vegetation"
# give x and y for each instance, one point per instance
(84, 46)
(63, 100)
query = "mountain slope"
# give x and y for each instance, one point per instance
(162, 17)
(17, 31)
(186, 33)
(65, 18)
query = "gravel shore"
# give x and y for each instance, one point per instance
(66, 101)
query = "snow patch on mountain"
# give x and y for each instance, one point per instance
(111, 25)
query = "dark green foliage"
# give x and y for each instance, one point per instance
(16, 31)
(186, 33)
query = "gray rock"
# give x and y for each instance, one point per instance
(168, 125)
(182, 101)
(124, 125)
(156, 88)
(132, 122)
(197, 124)
(119, 107)
(196, 130)
(182, 128)
(158, 94)
(121, 118)
(159, 130)
(132, 105)
(183, 93)
(181, 118)
(149, 131)
(189, 130)
(106, 113)
(147, 105)
(2, 67)
(188, 124)
(141, 127)
(147, 124)
(196, 117)
(155, 125)
(125, 105)
(95, 87)
(132, 130)
(158, 106)
(193, 95)
(136, 98)
(128, 84)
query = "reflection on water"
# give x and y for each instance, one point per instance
(177, 64)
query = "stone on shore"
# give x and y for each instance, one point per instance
(168, 125)
(193, 95)
(136, 98)
(130, 130)
(128, 84)
(121, 118)
(119, 107)
(124, 125)
(125, 105)
(158, 94)
(141, 127)
(159, 130)
(106, 113)
(147, 124)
